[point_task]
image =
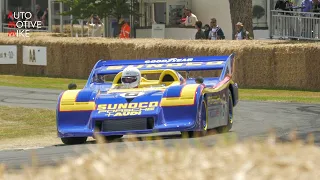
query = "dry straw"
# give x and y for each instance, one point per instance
(259, 63)
(227, 160)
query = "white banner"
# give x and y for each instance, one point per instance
(8, 54)
(35, 55)
(158, 31)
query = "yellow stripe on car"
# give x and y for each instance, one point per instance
(187, 97)
(68, 102)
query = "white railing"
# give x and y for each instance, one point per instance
(295, 25)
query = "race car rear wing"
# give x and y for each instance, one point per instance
(197, 63)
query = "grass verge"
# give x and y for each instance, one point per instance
(245, 94)
(39, 82)
(17, 122)
(279, 95)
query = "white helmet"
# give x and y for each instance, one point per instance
(131, 77)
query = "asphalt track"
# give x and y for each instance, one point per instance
(252, 119)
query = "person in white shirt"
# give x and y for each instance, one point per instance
(191, 19)
(96, 26)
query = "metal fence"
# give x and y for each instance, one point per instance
(295, 25)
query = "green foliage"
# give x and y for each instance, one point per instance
(123, 8)
(82, 9)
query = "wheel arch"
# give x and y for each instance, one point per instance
(201, 98)
(234, 93)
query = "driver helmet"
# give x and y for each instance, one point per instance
(131, 77)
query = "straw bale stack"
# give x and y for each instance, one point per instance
(259, 63)
(250, 160)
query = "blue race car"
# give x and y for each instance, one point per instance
(167, 99)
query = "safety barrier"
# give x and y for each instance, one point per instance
(295, 25)
(259, 63)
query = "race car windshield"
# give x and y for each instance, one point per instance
(129, 79)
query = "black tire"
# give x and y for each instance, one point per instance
(227, 128)
(192, 134)
(74, 140)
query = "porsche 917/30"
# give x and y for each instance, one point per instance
(168, 98)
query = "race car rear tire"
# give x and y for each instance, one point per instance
(226, 128)
(74, 140)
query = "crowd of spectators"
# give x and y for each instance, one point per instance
(307, 26)
(305, 6)
(212, 31)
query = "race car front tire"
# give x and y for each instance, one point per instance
(74, 140)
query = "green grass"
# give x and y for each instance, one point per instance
(39, 82)
(279, 95)
(245, 94)
(19, 122)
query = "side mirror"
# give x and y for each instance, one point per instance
(72, 86)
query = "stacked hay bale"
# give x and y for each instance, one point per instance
(265, 63)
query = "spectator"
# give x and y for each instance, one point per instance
(207, 30)
(44, 18)
(125, 29)
(38, 13)
(33, 17)
(284, 5)
(9, 17)
(307, 6)
(241, 34)
(183, 17)
(96, 25)
(191, 19)
(200, 34)
(216, 32)
(315, 7)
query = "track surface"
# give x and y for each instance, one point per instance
(252, 119)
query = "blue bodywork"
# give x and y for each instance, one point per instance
(98, 108)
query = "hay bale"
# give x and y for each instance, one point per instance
(259, 63)
(225, 160)
(312, 68)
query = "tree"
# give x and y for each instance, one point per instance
(119, 8)
(79, 9)
(82, 9)
(241, 10)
